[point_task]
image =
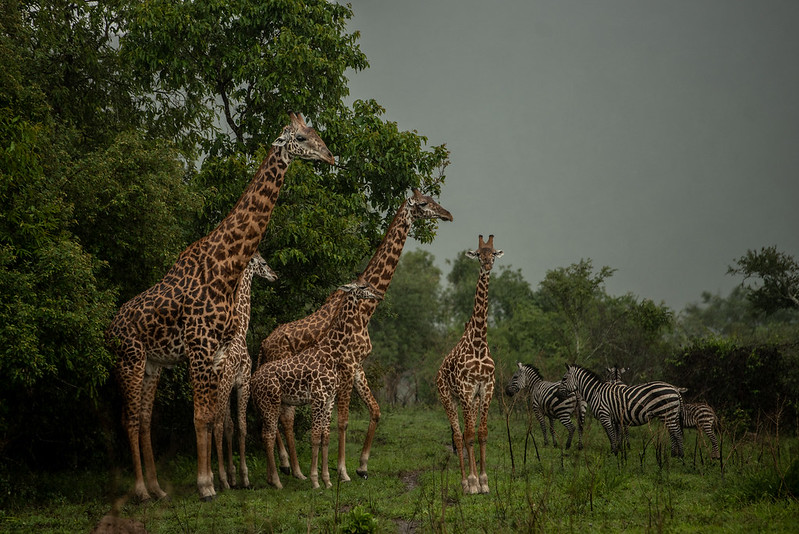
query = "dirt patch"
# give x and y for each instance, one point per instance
(410, 479)
(408, 527)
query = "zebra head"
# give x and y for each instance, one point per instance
(518, 381)
(568, 384)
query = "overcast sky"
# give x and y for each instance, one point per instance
(659, 138)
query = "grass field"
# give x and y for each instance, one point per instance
(414, 486)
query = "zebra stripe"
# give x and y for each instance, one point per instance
(617, 404)
(547, 402)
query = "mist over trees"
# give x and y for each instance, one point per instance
(127, 133)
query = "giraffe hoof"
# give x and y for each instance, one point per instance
(362, 473)
(285, 470)
(208, 498)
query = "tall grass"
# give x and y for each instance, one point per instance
(414, 486)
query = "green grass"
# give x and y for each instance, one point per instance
(414, 486)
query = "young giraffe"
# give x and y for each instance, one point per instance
(291, 338)
(466, 376)
(236, 373)
(311, 377)
(191, 312)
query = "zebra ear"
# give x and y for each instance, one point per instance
(567, 366)
(519, 365)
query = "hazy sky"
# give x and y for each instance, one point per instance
(660, 138)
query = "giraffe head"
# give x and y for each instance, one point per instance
(424, 207)
(259, 267)
(302, 141)
(361, 289)
(485, 253)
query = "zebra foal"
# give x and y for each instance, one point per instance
(547, 402)
(617, 405)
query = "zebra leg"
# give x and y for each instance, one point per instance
(566, 420)
(610, 429)
(552, 431)
(708, 430)
(540, 416)
(676, 435)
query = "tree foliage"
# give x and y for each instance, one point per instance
(775, 275)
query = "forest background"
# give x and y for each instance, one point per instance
(128, 130)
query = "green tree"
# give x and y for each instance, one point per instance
(776, 276)
(572, 295)
(406, 329)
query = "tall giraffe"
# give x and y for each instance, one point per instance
(236, 371)
(310, 377)
(291, 338)
(191, 312)
(466, 376)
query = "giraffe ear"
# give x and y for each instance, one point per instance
(472, 253)
(498, 254)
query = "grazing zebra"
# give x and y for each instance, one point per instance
(701, 417)
(627, 405)
(692, 415)
(547, 402)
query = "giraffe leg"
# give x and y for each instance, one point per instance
(362, 387)
(327, 414)
(130, 379)
(268, 435)
(445, 396)
(470, 414)
(290, 457)
(243, 397)
(482, 436)
(149, 385)
(316, 440)
(205, 397)
(223, 429)
(344, 397)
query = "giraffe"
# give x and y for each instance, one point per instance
(190, 313)
(466, 376)
(236, 373)
(311, 377)
(291, 338)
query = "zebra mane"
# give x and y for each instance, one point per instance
(588, 372)
(533, 368)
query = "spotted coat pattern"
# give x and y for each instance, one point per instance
(236, 374)
(190, 313)
(291, 338)
(311, 377)
(466, 377)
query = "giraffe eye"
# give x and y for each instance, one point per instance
(300, 138)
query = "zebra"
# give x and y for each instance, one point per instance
(692, 415)
(702, 417)
(627, 405)
(547, 402)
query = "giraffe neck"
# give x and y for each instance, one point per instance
(478, 324)
(384, 261)
(233, 242)
(243, 302)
